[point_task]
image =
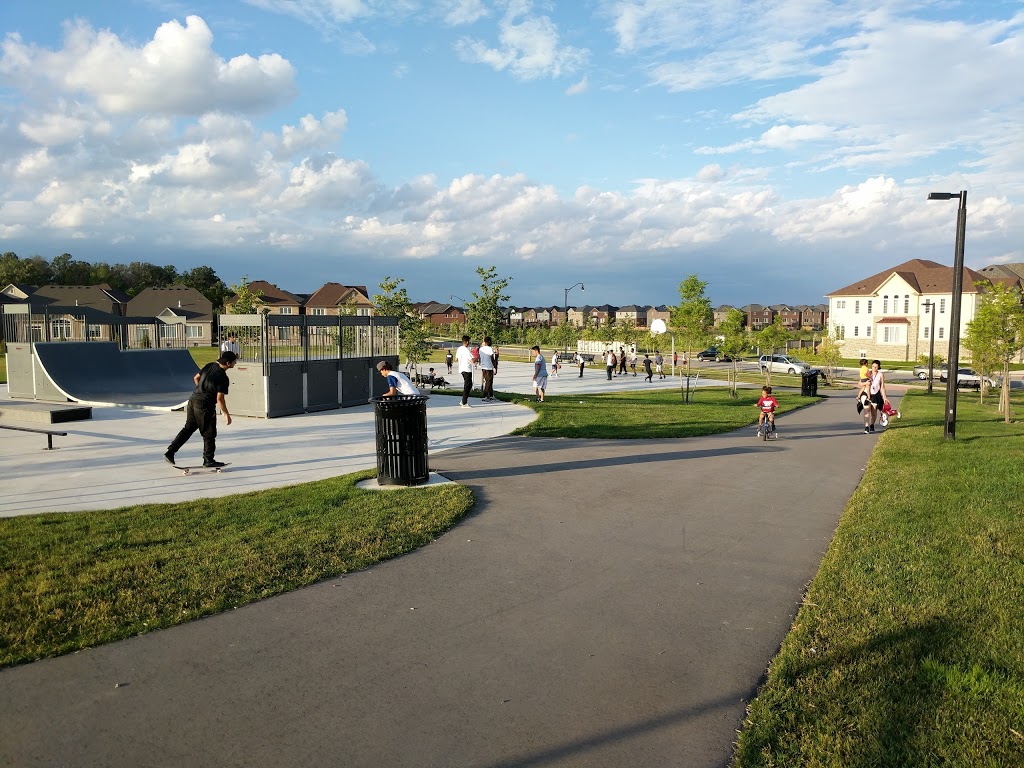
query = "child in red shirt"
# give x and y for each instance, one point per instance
(766, 405)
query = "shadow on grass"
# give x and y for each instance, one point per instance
(879, 693)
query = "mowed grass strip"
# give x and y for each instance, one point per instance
(73, 580)
(909, 650)
(649, 415)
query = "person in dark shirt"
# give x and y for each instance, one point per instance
(201, 410)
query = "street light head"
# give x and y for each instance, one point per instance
(942, 195)
(583, 287)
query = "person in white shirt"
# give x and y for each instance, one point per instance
(487, 370)
(465, 359)
(230, 344)
(398, 382)
(554, 364)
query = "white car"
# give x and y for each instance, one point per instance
(968, 377)
(782, 364)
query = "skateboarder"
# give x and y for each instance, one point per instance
(200, 412)
(398, 382)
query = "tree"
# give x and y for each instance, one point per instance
(66, 271)
(733, 342)
(246, 301)
(413, 331)
(772, 337)
(485, 317)
(31, 271)
(565, 336)
(205, 280)
(829, 355)
(693, 318)
(995, 335)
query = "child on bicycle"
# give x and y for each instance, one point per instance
(766, 405)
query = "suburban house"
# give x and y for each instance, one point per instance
(814, 318)
(178, 305)
(758, 317)
(273, 301)
(98, 306)
(439, 314)
(336, 299)
(889, 314)
(660, 312)
(634, 314)
(720, 314)
(789, 316)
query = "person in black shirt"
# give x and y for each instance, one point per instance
(200, 412)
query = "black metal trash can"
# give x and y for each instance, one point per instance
(809, 384)
(401, 423)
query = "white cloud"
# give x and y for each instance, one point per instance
(459, 12)
(577, 88)
(312, 134)
(528, 47)
(176, 73)
(316, 13)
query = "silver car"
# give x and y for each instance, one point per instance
(782, 364)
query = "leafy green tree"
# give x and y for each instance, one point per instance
(205, 280)
(996, 334)
(245, 300)
(485, 315)
(66, 270)
(733, 342)
(770, 338)
(693, 318)
(828, 356)
(30, 271)
(565, 336)
(413, 331)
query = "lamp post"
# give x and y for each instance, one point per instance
(565, 306)
(949, 429)
(931, 344)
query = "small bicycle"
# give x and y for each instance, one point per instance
(767, 430)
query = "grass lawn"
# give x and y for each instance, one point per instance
(3, 369)
(909, 648)
(72, 580)
(647, 415)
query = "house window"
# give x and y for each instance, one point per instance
(318, 311)
(95, 331)
(856, 330)
(942, 306)
(60, 329)
(893, 334)
(856, 310)
(867, 331)
(928, 308)
(942, 332)
(194, 332)
(906, 305)
(885, 304)
(869, 306)
(926, 331)
(287, 310)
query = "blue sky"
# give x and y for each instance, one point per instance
(779, 149)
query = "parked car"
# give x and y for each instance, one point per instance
(968, 377)
(921, 372)
(713, 354)
(782, 364)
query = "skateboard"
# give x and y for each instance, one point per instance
(190, 470)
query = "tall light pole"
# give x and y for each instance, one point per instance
(565, 306)
(931, 344)
(949, 430)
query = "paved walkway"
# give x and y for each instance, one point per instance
(608, 603)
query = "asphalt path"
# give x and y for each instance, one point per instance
(607, 603)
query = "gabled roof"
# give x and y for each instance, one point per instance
(95, 296)
(437, 308)
(178, 300)
(272, 295)
(1003, 270)
(922, 275)
(336, 294)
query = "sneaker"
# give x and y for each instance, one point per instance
(759, 433)
(464, 405)
(212, 464)
(872, 427)
(867, 430)
(169, 458)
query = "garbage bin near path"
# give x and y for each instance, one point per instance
(401, 422)
(809, 384)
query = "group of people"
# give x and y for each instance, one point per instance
(872, 402)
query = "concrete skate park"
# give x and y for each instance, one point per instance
(607, 603)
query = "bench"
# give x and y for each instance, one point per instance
(48, 432)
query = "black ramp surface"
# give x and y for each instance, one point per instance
(98, 372)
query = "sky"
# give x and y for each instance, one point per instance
(778, 149)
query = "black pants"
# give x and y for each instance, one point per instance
(488, 385)
(200, 414)
(467, 384)
(611, 369)
(581, 369)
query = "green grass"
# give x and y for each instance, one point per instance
(72, 580)
(204, 355)
(909, 648)
(648, 415)
(3, 369)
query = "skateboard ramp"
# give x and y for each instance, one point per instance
(98, 373)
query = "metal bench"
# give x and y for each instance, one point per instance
(48, 432)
